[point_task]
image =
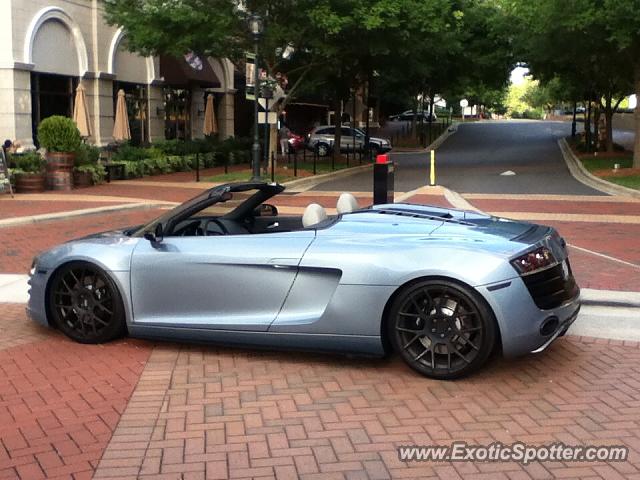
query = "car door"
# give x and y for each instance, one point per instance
(230, 282)
(347, 139)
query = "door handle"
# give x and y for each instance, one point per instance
(284, 267)
(273, 225)
(284, 262)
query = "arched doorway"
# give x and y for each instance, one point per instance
(58, 63)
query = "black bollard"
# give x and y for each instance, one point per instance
(383, 189)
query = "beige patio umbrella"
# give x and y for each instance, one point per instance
(80, 112)
(210, 124)
(121, 130)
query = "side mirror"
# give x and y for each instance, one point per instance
(267, 210)
(156, 236)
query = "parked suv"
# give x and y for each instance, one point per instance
(322, 139)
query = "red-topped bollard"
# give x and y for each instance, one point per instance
(383, 180)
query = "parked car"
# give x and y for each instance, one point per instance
(322, 139)
(444, 288)
(409, 114)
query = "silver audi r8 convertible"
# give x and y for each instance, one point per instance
(441, 287)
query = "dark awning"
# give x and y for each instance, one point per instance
(188, 70)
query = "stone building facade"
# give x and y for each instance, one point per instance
(48, 47)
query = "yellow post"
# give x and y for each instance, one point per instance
(433, 168)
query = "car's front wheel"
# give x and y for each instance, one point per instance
(85, 304)
(441, 329)
(322, 149)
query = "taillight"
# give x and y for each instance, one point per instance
(533, 261)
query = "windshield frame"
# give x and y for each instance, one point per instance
(211, 197)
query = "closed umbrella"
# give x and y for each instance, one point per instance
(121, 130)
(80, 112)
(210, 124)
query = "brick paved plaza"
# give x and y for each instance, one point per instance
(138, 409)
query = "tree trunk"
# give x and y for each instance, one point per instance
(587, 127)
(596, 129)
(636, 145)
(573, 123)
(337, 136)
(414, 119)
(608, 118)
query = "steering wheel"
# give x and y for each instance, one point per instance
(217, 221)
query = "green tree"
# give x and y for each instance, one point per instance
(572, 40)
(624, 34)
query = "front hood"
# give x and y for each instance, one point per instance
(378, 140)
(110, 234)
(111, 250)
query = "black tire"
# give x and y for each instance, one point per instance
(322, 149)
(85, 304)
(441, 329)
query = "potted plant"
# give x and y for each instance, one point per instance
(29, 172)
(87, 171)
(61, 138)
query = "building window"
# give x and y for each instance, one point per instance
(137, 106)
(50, 95)
(177, 108)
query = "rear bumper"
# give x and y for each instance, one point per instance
(520, 321)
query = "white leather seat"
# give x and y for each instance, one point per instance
(347, 203)
(313, 215)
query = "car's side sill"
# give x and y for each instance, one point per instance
(355, 344)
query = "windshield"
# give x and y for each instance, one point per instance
(223, 201)
(188, 205)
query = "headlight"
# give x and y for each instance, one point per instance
(534, 261)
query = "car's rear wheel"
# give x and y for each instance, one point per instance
(441, 329)
(85, 304)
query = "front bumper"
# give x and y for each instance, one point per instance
(520, 320)
(36, 308)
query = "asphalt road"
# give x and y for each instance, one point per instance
(472, 160)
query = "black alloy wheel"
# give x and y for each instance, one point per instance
(85, 304)
(441, 329)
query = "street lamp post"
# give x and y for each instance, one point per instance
(256, 26)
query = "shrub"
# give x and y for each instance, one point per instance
(87, 155)
(97, 171)
(29, 162)
(59, 134)
(129, 153)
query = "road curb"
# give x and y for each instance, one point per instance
(585, 177)
(610, 298)
(11, 222)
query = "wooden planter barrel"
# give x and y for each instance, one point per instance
(82, 179)
(60, 170)
(30, 182)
